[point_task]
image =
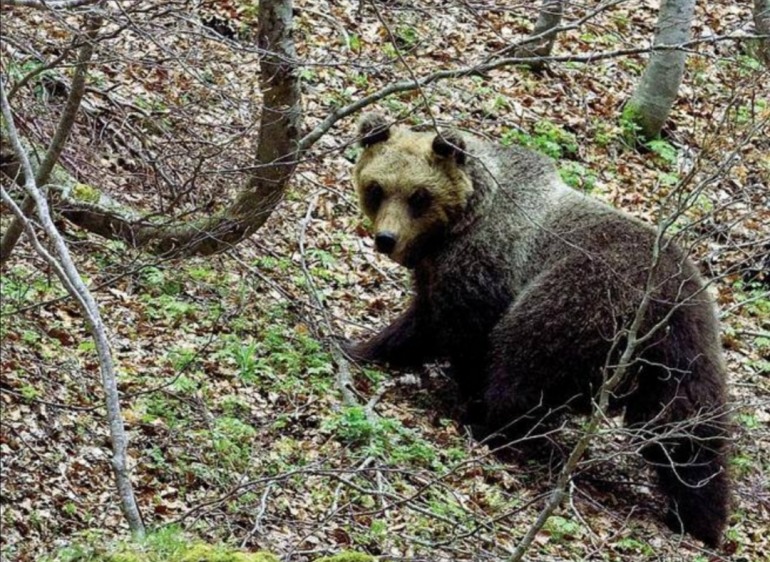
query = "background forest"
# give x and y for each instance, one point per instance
(171, 320)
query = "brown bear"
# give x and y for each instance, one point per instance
(528, 288)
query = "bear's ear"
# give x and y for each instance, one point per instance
(373, 128)
(450, 145)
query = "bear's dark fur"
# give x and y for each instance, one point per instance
(528, 288)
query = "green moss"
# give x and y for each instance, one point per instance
(348, 557)
(164, 546)
(86, 193)
(207, 553)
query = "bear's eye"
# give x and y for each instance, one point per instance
(419, 202)
(373, 197)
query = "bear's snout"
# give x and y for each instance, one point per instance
(385, 242)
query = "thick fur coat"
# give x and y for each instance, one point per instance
(528, 288)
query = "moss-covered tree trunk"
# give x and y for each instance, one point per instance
(651, 102)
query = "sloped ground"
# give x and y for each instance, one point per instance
(238, 432)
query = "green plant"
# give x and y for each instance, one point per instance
(748, 420)
(548, 138)
(389, 50)
(664, 150)
(748, 65)
(361, 80)
(561, 528)
(354, 42)
(202, 272)
(742, 464)
(290, 359)
(169, 309)
(406, 36)
(670, 179)
(30, 336)
(234, 406)
(30, 392)
(755, 297)
(156, 281)
(167, 544)
(232, 440)
(182, 358)
(606, 134)
(246, 360)
(634, 546)
(578, 176)
(308, 75)
(348, 557)
(158, 406)
(633, 66)
(383, 438)
(70, 509)
(630, 129)
(185, 384)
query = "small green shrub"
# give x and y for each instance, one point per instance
(561, 528)
(578, 176)
(383, 438)
(548, 138)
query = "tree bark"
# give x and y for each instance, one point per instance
(543, 37)
(762, 25)
(651, 102)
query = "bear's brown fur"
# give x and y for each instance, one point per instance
(527, 286)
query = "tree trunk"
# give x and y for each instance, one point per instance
(653, 98)
(278, 152)
(543, 37)
(762, 25)
(276, 158)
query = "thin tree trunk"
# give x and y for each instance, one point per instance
(73, 282)
(651, 102)
(63, 129)
(762, 24)
(543, 37)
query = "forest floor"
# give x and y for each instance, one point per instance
(229, 373)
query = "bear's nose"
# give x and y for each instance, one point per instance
(385, 242)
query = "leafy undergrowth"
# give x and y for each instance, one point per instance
(171, 545)
(238, 431)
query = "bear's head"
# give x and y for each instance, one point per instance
(414, 186)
